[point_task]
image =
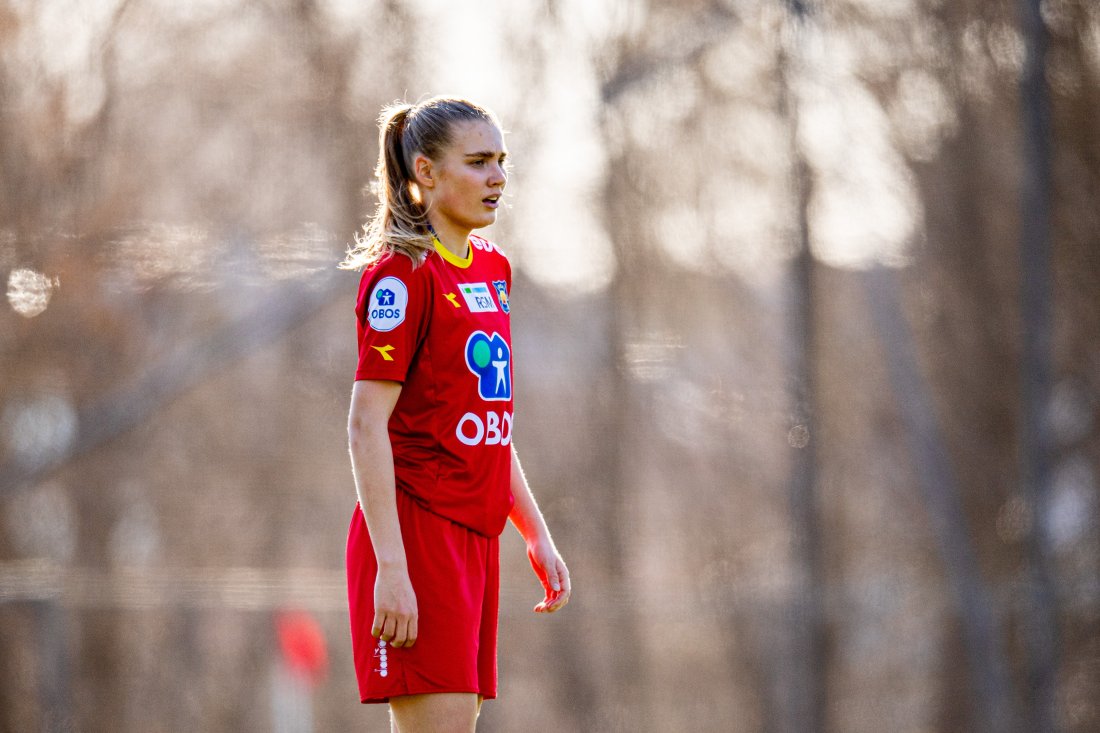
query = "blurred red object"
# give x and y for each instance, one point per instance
(303, 644)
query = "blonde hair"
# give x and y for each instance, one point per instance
(400, 222)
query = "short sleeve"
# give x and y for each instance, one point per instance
(393, 310)
(507, 273)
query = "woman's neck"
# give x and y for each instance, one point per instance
(455, 239)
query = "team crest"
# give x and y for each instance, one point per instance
(501, 287)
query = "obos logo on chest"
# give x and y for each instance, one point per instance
(387, 305)
(489, 359)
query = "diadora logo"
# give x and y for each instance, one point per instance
(489, 357)
(388, 301)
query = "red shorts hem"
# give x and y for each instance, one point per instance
(427, 691)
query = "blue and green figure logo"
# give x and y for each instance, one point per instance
(489, 357)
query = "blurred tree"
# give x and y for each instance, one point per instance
(805, 687)
(1041, 629)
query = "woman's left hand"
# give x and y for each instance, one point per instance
(552, 573)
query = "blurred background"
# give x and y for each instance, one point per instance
(807, 346)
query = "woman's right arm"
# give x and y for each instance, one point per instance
(395, 613)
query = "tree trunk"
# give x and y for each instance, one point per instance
(1041, 624)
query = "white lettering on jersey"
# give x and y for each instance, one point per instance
(482, 244)
(495, 429)
(479, 298)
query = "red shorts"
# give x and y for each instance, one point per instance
(455, 573)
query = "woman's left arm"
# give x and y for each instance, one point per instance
(544, 556)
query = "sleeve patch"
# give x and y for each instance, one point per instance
(388, 303)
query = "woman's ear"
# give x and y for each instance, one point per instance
(422, 172)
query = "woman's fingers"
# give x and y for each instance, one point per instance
(379, 622)
(555, 598)
(553, 581)
(405, 634)
(396, 629)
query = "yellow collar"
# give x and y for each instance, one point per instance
(449, 256)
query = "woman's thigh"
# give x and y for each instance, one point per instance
(437, 712)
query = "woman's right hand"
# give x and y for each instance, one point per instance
(395, 614)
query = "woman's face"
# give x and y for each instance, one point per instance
(467, 181)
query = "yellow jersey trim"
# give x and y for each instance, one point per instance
(451, 257)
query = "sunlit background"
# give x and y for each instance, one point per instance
(807, 335)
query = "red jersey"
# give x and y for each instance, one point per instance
(442, 330)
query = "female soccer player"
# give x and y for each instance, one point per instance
(430, 427)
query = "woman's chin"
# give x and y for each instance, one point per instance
(486, 220)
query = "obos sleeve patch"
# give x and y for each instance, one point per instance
(388, 304)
